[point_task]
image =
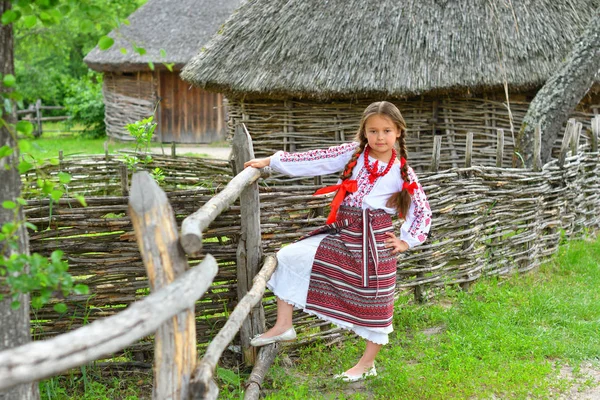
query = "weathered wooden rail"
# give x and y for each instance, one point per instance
(169, 309)
(34, 114)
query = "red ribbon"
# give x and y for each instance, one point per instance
(344, 187)
(410, 187)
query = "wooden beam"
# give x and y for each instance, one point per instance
(499, 147)
(564, 148)
(249, 251)
(46, 358)
(266, 356)
(193, 226)
(158, 240)
(469, 150)
(435, 157)
(537, 148)
(203, 385)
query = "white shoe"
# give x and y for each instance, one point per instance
(355, 378)
(286, 336)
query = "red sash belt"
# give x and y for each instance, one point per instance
(344, 187)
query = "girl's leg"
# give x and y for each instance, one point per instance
(366, 361)
(284, 319)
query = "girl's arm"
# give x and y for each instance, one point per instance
(308, 163)
(416, 226)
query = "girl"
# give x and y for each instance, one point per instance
(345, 272)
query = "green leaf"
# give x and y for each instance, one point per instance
(15, 305)
(126, 22)
(123, 50)
(140, 50)
(60, 308)
(9, 205)
(163, 53)
(86, 26)
(105, 42)
(56, 194)
(31, 226)
(24, 166)
(54, 161)
(5, 151)
(30, 21)
(63, 177)
(9, 80)
(151, 65)
(37, 302)
(81, 200)
(25, 127)
(169, 66)
(9, 17)
(24, 145)
(81, 289)
(21, 201)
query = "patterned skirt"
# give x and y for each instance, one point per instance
(346, 276)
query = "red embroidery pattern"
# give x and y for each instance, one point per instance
(319, 154)
(422, 215)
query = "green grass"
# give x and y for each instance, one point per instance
(504, 339)
(50, 143)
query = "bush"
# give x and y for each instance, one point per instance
(84, 103)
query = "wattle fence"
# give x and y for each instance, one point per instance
(486, 221)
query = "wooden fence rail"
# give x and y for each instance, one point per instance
(169, 310)
(34, 114)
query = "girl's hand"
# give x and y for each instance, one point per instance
(258, 162)
(397, 245)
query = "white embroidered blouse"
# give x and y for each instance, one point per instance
(369, 195)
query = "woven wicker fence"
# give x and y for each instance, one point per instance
(486, 221)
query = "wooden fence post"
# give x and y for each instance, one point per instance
(537, 148)
(249, 252)
(38, 117)
(435, 157)
(158, 241)
(595, 132)
(499, 147)
(469, 150)
(575, 137)
(124, 180)
(564, 148)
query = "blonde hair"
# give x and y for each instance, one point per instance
(400, 200)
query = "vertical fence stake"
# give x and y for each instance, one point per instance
(106, 150)
(469, 150)
(249, 251)
(564, 148)
(537, 148)
(173, 149)
(435, 157)
(158, 240)
(499, 147)
(575, 138)
(595, 132)
(124, 180)
(38, 116)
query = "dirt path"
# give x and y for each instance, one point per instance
(586, 382)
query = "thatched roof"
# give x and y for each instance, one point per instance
(180, 27)
(331, 49)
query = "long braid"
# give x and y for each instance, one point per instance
(352, 162)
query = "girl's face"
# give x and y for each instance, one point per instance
(381, 134)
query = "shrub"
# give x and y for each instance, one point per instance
(84, 103)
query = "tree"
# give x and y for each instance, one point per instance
(14, 329)
(561, 93)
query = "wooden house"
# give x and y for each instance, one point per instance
(170, 32)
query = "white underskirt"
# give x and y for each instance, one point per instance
(290, 282)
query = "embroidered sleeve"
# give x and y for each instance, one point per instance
(416, 227)
(313, 162)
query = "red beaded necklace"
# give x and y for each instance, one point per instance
(373, 171)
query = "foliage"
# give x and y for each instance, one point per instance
(49, 55)
(85, 105)
(142, 131)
